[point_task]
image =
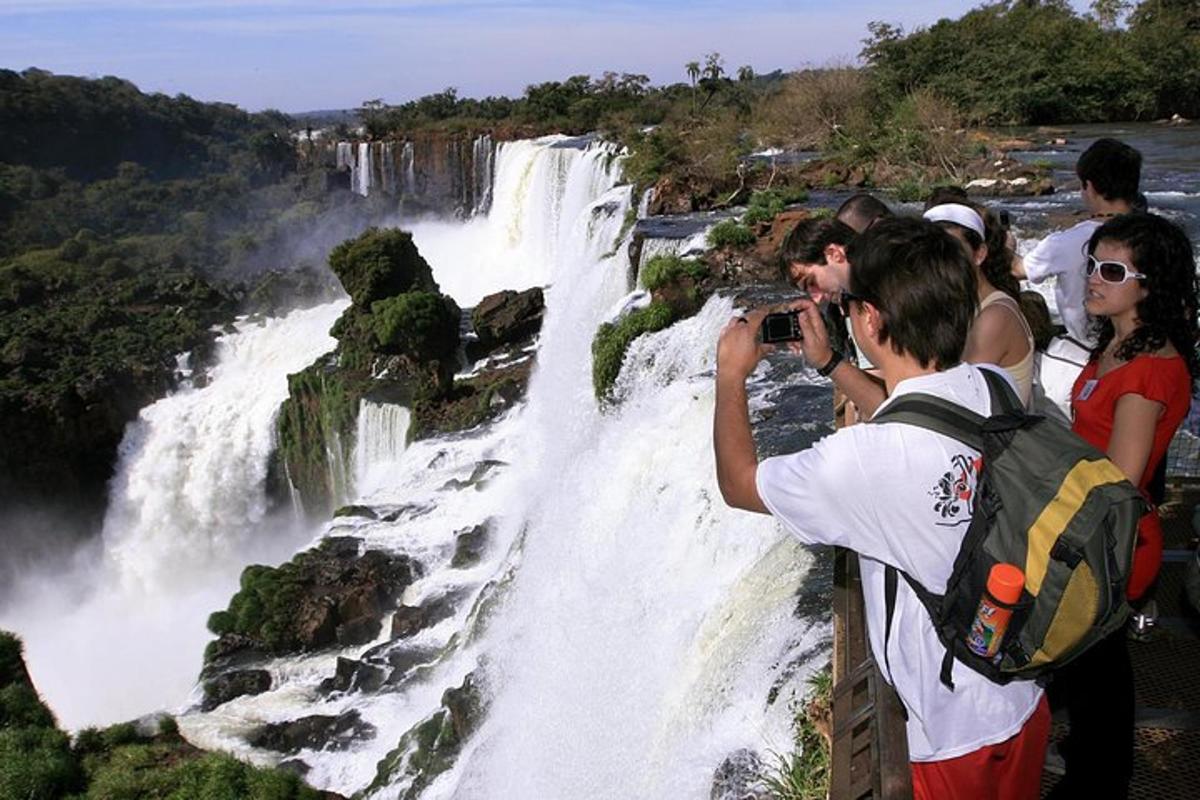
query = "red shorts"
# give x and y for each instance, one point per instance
(1010, 770)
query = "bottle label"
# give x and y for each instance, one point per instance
(988, 629)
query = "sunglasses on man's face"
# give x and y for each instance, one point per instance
(1112, 271)
(845, 299)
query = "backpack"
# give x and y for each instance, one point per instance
(1049, 503)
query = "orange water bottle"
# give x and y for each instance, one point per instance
(1004, 585)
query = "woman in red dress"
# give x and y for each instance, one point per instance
(1128, 402)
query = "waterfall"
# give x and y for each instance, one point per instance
(408, 179)
(643, 627)
(362, 172)
(380, 440)
(187, 511)
(481, 163)
(345, 156)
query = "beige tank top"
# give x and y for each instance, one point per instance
(1022, 371)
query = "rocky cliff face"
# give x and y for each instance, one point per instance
(427, 171)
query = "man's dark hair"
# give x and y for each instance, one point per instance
(807, 241)
(862, 209)
(921, 280)
(1113, 168)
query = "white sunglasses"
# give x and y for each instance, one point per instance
(1112, 271)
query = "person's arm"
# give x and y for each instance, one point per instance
(1018, 261)
(1134, 421)
(1018, 267)
(988, 339)
(865, 391)
(738, 352)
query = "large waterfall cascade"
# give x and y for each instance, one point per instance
(641, 625)
(187, 511)
(627, 628)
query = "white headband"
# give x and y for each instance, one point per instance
(958, 214)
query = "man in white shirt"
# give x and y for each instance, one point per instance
(900, 496)
(1109, 172)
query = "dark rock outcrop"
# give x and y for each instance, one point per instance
(470, 545)
(227, 686)
(409, 620)
(353, 676)
(321, 597)
(356, 511)
(316, 732)
(506, 317)
(431, 747)
(739, 778)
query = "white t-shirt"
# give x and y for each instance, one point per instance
(1064, 255)
(902, 495)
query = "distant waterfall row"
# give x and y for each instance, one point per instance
(434, 173)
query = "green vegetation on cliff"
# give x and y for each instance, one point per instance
(613, 339)
(398, 326)
(130, 224)
(35, 756)
(730, 233)
(803, 774)
(664, 269)
(378, 264)
(421, 325)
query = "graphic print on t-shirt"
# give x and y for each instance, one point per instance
(954, 490)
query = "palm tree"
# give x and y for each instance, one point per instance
(693, 71)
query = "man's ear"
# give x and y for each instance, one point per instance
(835, 252)
(872, 320)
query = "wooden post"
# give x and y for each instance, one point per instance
(869, 757)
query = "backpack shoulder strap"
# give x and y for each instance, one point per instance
(933, 606)
(937, 415)
(1004, 399)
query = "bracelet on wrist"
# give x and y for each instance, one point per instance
(830, 365)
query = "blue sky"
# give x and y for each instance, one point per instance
(314, 54)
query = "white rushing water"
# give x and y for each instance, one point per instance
(640, 625)
(186, 513)
(379, 442)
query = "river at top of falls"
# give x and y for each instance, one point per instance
(122, 635)
(640, 627)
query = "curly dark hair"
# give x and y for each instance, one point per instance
(1169, 311)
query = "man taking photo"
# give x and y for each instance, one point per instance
(898, 495)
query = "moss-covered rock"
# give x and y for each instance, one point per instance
(613, 339)
(420, 325)
(380, 263)
(303, 604)
(431, 747)
(397, 341)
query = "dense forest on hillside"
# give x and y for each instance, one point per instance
(130, 224)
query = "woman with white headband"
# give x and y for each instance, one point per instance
(1000, 334)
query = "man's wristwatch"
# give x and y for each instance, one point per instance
(830, 365)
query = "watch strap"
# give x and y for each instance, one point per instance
(830, 365)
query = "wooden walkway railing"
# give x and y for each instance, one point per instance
(869, 748)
